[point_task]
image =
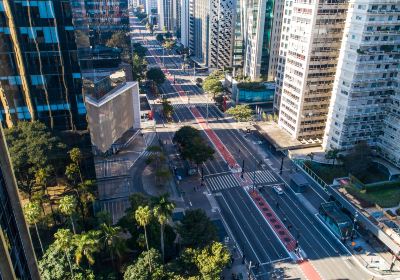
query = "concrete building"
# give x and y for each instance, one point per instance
(17, 256)
(240, 30)
(185, 22)
(221, 33)
(113, 114)
(151, 7)
(315, 36)
(258, 38)
(366, 79)
(283, 46)
(176, 16)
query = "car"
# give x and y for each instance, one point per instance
(278, 189)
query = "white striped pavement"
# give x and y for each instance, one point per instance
(216, 183)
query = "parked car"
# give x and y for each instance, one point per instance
(278, 189)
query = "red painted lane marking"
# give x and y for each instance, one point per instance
(309, 271)
(279, 228)
(215, 140)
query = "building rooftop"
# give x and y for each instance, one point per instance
(333, 211)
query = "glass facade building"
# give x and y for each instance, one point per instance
(17, 259)
(40, 76)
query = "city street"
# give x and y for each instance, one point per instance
(255, 236)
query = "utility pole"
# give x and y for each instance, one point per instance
(280, 170)
(241, 175)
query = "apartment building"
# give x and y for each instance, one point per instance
(286, 18)
(40, 77)
(258, 38)
(185, 22)
(221, 33)
(199, 30)
(362, 107)
(315, 36)
(151, 7)
(17, 256)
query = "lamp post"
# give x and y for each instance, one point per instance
(241, 175)
(281, 169)
(354, 225)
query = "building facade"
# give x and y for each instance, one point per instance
(185, 22)
(221, 33)
(199, 30)
(259, 17)
(165, 15)
(315, 36)
(366, 79)
(151, 7)
(17, 257)
(39, 71)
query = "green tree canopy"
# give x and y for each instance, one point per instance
(32, 147)
(196, 229)
(139, 50)
(359, 160)
(160, 38)
(168, 109)
(169, 44)
(86, 246)
(156, 75)
(140, 269)
(139, 66)
(119, 40)
(210, 260)
(185, 135)
(198, 151)
(241, 113)
(212, 86)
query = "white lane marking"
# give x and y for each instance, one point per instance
(248, 242)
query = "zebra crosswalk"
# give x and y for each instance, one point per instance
(220, 182)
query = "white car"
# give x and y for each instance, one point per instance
(278, 190)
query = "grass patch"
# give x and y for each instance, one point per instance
(385, 198)
(329, 172)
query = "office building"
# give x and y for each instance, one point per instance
(166, 15)
(240, 28)
(185, 22)
(362, 108)
(199, 30)
(151, 7)
(258, 38)
(17, 257)
(221, 33)
(315, 36)
(40, 76)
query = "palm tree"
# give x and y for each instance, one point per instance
(67, 206)
(112, 241)
(76, 157)
(162, 211)
(64, 242)
(32, 215)
(143, 216)
(87, 244)
(42, 177)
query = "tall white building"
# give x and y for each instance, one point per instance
(316, 28)
(198, 30)
(151, 6)
(366, 78)
(221, 33)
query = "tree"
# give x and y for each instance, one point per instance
(72, 172)
(158, 159)
(42, 177)
(196, 229)
(54, 265)
(86, 245)
(150, 28)
(169, 44)
(211, 260)
(160, 38)
(67, 206)
(242, 113)
(141, 269)
(63, 242)
(216, 74)
(76, 157)
(359, 159)
(332, 154)
(212, 86)
(185, 135)
(113, 243)
(156, 75)
(168, 35)
(32, 216)
(198, 151)
(139, 50)
(162, 211)
(139, 66)
(143, 216)
(118, 40)
(32, 147)
(168, 109)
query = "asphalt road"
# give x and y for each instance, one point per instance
(249, 228)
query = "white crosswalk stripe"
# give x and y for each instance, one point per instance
(220, 182)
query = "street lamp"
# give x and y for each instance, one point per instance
(241, 175)
(280, 170)
(354, 225)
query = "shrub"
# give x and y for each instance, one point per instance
(381, 186)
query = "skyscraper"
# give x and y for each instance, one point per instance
(366, 78)
(315, 36)
(199, 30)
(165, 15)
(185, 22)
(40, 76)
(17, 257)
